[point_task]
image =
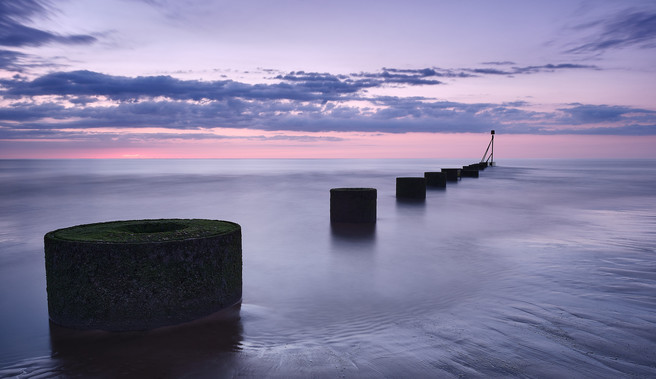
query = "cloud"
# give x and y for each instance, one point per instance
(300, 85)
(428, 76)
(499, 63)
(414, 77)
(326, 83)
(624, 130)
(363, 80)
(22, 9)
(14, 33)
(304, 87)
(579, 114)
(9, 60)
(19, 62)
(295, 85)
(81, 100)
(627, 29)
(490, 71)
(518, 70)
(385, 114)
(300, 101)
(553, 68)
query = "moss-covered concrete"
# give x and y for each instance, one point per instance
(142, 274)
(138, 231)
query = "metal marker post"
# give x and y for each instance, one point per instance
(492, 151)
(490, 158)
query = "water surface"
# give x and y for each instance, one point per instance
(535, 269)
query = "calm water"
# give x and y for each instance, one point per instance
(535, 269)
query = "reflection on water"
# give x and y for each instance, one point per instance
(351, 231)
(165, 352)
(537, 268)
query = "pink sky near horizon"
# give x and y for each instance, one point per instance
(354, 145)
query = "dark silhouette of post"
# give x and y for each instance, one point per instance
(411, 188)
(435, 179)
(489, 159)
(452, 174)
(492, 151)
(353, 205)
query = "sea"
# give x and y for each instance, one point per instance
(535, 269)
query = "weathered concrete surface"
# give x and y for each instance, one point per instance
(180, 271)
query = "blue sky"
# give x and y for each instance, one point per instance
(116, 77)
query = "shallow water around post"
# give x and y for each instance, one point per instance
(536, 268)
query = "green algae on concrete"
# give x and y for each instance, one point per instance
(142, 274)
(137, 231)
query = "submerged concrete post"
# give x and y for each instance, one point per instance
(435, 179)
(353, 205)
(411, 188)
(469, 173)
(142, 274)
(452, 174)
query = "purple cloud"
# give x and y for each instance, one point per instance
(518, 70)
(300, 101)
(631, 28)
(13, 32)
(588, 114)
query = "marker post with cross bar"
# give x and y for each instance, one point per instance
(489, 159)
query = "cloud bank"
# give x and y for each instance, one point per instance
(55, 104)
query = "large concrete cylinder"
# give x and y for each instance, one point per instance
(411, 188)
(353, 205)
(142, 274)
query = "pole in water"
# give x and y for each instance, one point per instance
(492, 151)
(490, 157)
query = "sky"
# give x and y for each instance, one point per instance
(327, 79)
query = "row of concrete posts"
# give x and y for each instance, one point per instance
(358, 205)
